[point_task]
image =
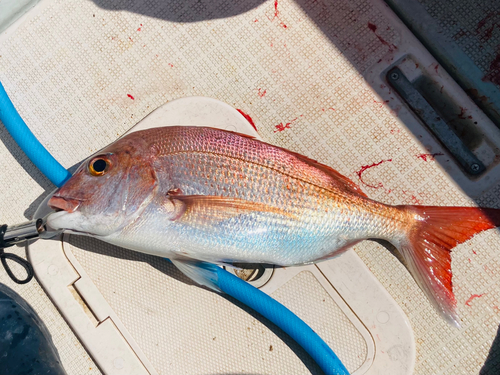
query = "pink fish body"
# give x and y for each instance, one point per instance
(191, 193)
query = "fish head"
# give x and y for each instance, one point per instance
(108, 191)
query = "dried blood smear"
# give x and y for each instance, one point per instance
(373, 28)
(248, 118)
(472, 297)
(277, 15)
(130, 96)
(366, 167)
(261, 93)
(493, 74)
(280, 127)
(426, 157)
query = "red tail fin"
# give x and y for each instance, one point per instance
(435, 232)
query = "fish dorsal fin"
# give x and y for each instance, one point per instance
(215, 208)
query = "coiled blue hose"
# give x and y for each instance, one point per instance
(23, 136)
(228, 283)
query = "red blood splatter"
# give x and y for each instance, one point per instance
(331, 109)
(474, 251)
(462, 113)
(488, 33)
(255, 20)
(426, 157)
(280, 127)
(364, 168)
(470, 261)
(472, 297)
(130, 39)
(130, 96)
(415, 200)
(248, 118)
(381, 103)
(170, 64)
(139, 29)
(493, 74)
(416, 65)
(481, 23)
(262, 93)
(436, 68)
(277, 15)
(373, 28)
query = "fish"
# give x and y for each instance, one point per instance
(200, 194)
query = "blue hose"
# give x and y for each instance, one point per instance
(229, 284)
(23, 136)
(278, 314)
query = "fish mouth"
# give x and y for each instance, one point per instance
(58, 203)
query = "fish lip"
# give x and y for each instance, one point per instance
(67, 204)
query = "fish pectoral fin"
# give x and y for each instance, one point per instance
(215, 208)
(202, 273)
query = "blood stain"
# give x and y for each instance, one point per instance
(139, 29)
(488, 33)
(436, 68)
(170, 64)
(493, 74)
(415, 200)
(426, 157)
(261, 93)
(281, 127)
(366, 167)
(462, 113)
(130, 96)
(373, 28)
(277, 15)
(247, 117)
(474, 251)
(331, 109)
(472, 297)
(381, 103)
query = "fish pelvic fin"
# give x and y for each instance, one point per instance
(200, 272)
(428, 243)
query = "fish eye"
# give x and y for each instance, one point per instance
(99, 166)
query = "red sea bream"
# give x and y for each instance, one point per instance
(192, 193)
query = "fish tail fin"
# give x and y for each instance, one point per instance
(426, 248)
(201, 272)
